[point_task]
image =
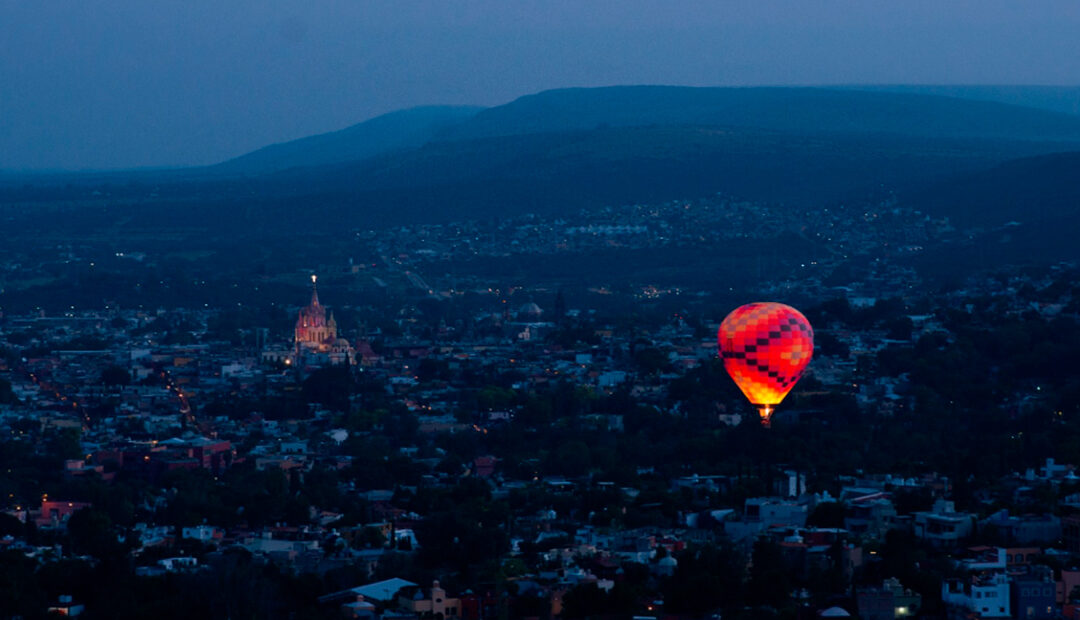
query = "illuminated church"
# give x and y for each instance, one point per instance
(316, 336)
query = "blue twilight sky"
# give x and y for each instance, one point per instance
(91, 84)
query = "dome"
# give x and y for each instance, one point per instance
(668, 561)
(530, 309)
(835, 612)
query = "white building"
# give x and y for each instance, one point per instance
(942, 526)
(178, 563)
(986, 595)
(986, 591)
(202, 533)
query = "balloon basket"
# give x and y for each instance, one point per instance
(766, 416)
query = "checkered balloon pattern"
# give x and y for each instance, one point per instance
(765, 348)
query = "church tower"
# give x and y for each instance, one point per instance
(313, 331)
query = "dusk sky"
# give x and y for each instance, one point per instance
(93, 84)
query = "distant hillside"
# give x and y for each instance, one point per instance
(561, 151)
(802, 110)
(1033, 189)
(561, 172)
(389, 132)
(1028, 210)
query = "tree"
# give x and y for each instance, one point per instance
(20, 589)
(329, 387)
(66, 443)
(650, 360)
(10, 526)
(560, 307)
(584, 601)
(369, 537)
(707, 577)
(571, 458)
(431, 369)
(400, 424)
(770, 582)
(7, 396)
(494, 398)
(899, 328)
(115, 375)
(827, 514)
(91, 532)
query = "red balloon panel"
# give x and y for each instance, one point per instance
(765, 348)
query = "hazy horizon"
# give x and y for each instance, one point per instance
(121, 84)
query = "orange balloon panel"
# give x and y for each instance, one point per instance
(765, 348)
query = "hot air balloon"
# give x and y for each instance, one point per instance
(765, 348)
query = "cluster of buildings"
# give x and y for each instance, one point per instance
(895, 230)
(151, 392)
(879, 235)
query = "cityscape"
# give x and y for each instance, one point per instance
(566, 345)
(476, 443)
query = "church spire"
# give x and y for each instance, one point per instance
(314, 291)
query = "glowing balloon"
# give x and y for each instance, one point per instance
(765, 348)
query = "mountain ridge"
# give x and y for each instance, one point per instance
(1063, 99)
(487, 170)
(799, 109)
(400, 129)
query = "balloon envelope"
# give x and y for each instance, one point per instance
(765, 348)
